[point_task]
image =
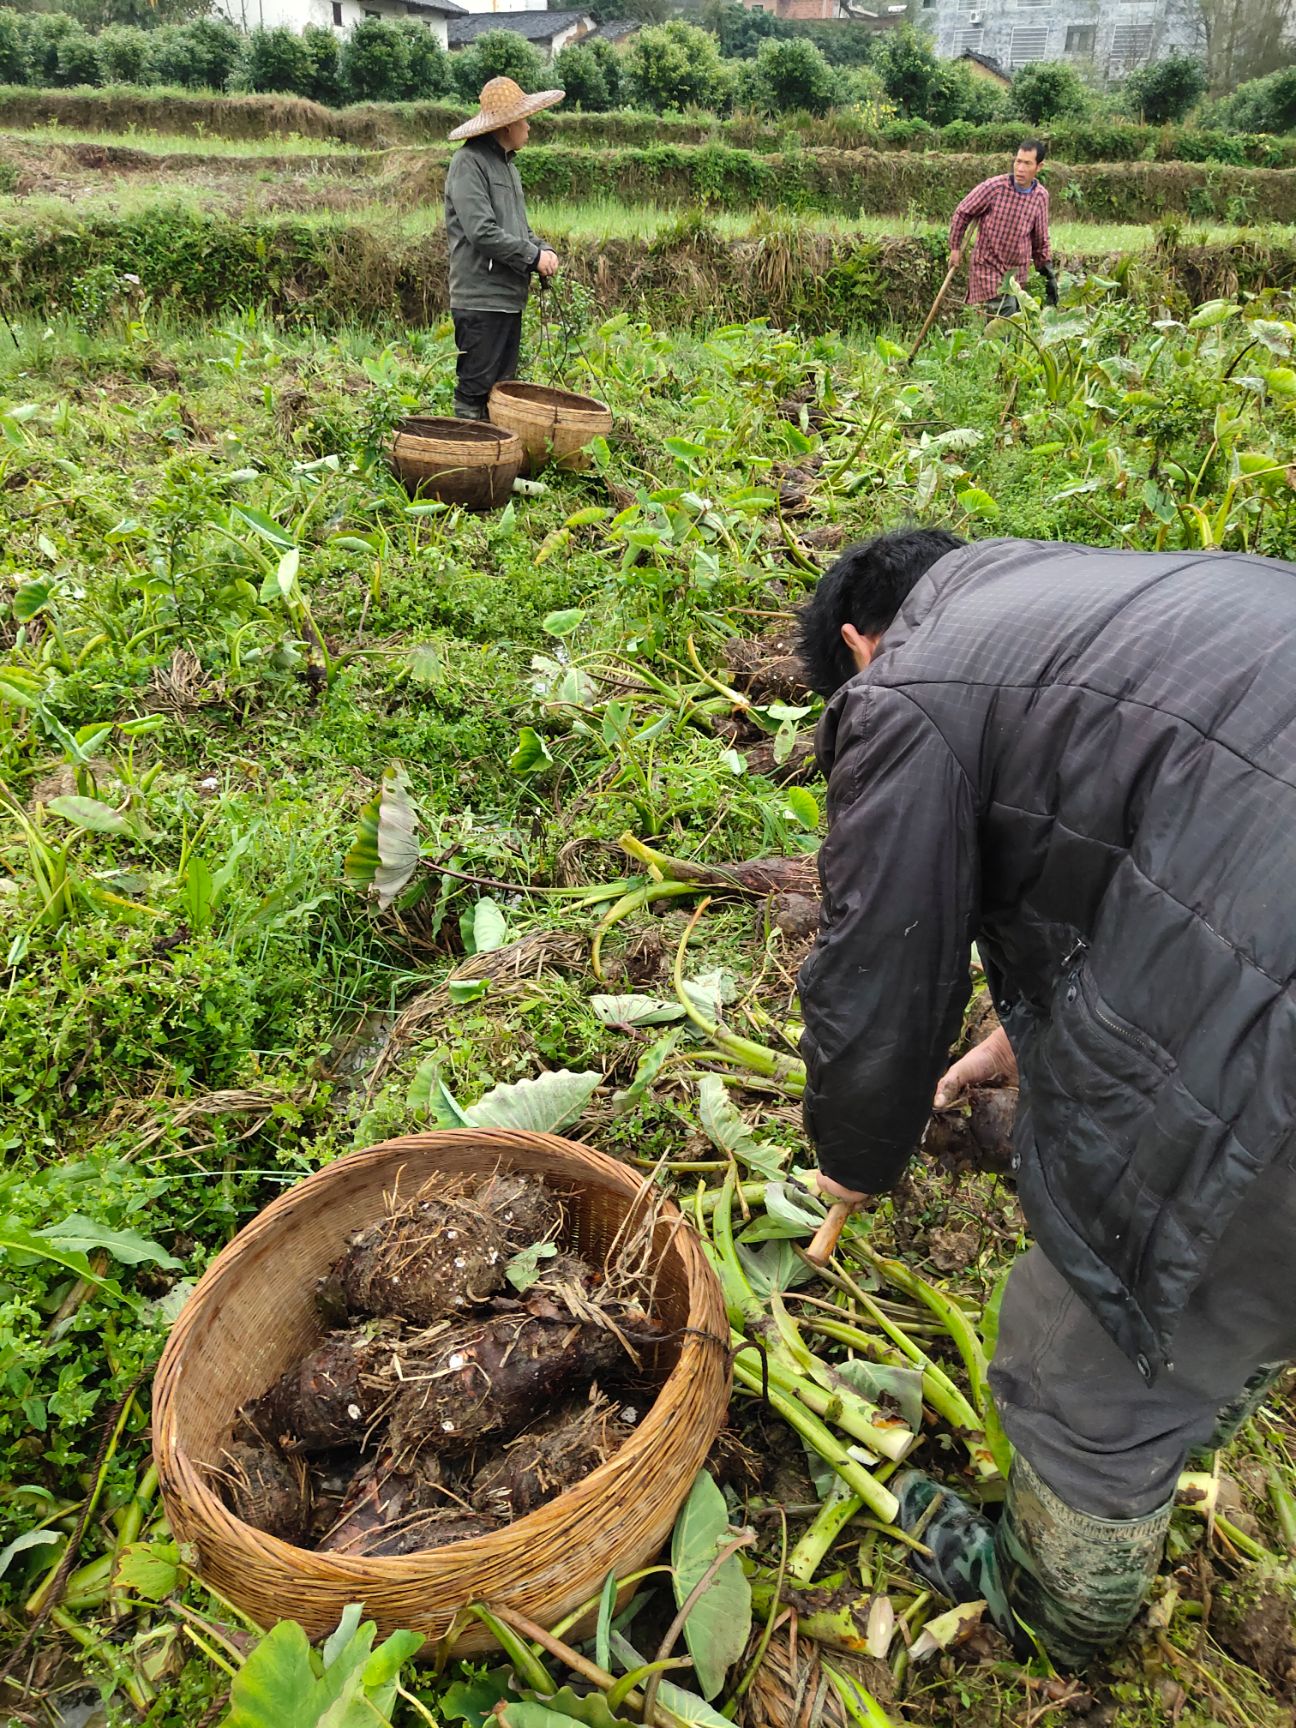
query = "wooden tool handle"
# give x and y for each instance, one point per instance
(935, 308)
(826, 1237)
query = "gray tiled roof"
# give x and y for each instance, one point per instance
(536, 26)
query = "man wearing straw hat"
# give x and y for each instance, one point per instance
(492, 249)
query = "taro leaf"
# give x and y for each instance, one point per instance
(544, 1105)
(562, 623)
(1272, 334)
(977, 502)
(650, 1066)
(280, 1685)
(947, 1630)
(803, 806)
(635, 1010)
(78, 1233)
(150, 1570)
(524, 1268)
(489, 926)
(686, 1705)
(776, 1266)
(719, 1623)
(1213, 312)
(430, 1096)
(531, 754)
(527, 1714)
(727, 1131)
(385, 851)
(473, 1701)
(428, 663)
(20, 1544)
(32, 597)
(877, 1381)
(710, 992)
(592, 1709)
(461, 990)
(90, 814)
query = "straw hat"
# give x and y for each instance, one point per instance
(501, 103)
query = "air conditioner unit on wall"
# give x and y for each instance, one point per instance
(976, 17)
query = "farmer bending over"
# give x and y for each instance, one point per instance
(1011, 213)
(492, 248)
(1084, 762)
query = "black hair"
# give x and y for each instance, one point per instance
(1038, 146)
(866, 587)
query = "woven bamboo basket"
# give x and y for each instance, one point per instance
(466, 462)
(554, 425)
(253, 1314)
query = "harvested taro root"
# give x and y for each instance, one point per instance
(464, 1380)
(553, 1455)
(441, 1254)
(487, 1377)
(392, 1511)
(266, 1489)
(328, 1399)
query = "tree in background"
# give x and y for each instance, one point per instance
(276, 62)
(674, 65)
(427, 73)
(1244, 40)
(788, 77)
(497, 54)
(78, 60)
(1166, 90)
(198, 56)
(582, 74)
(914, 79)
(14, 64)
(1049, 90)
(323, 65)
(124, 54)
(740, 32)
(374, 61)
(1262, 105)
(41, 34)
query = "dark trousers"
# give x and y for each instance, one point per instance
(488, 344)
(1103, 1440)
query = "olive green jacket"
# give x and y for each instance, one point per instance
(492, 248)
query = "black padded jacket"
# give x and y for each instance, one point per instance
(1085, 762)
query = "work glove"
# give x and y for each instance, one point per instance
(1050, 283)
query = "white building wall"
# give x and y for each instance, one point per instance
(341, 16)
(1109, 37)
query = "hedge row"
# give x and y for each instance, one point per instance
(381, 125)
(345, 271)
(871, 183)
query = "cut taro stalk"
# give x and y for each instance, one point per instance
(327, 1399)
(391, 1511)
(487, 1378)
(266, 1489)
(550, 1457)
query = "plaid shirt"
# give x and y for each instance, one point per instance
(1012, 228)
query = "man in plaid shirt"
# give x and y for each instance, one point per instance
(1011, 213)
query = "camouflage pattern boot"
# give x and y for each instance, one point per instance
(1075, 1580)
(962, 1566)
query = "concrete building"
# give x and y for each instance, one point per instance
(550, 32)
(1107, 37)
(339, 15)
(831, 11)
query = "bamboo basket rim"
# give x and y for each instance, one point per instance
(469, 443)
(565, 405)
(183, 1478)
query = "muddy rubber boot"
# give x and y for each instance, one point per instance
(1075, 1580)
(1231, 1416)
(470, 410)
(963, 1566)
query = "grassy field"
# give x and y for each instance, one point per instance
(225, 620)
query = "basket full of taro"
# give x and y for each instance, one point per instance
(457, 1366)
